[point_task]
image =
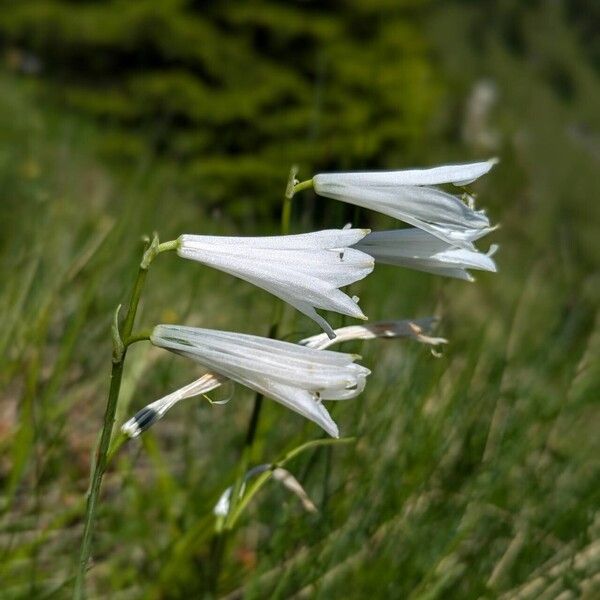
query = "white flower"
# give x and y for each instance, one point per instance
(151, 413)
(407, 196)
(415, 328)
(419, 250)
(304, 270)
(221, 508)
(297, 377)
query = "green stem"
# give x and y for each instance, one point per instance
(291, 188)
(133, 304)
(217, 551)
(166, 246)
(286, 214)
(253, 424)
(303, 185)
(116, 376)
(92, 500)
(140, 336)
(264, 477)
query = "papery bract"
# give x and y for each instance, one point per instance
(415, 328)
(150, 414)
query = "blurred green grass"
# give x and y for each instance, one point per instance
(219, 88)
(474, 475)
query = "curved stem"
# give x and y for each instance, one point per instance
(303, 185)
(166, 246)
(140, 336)
(253, 489)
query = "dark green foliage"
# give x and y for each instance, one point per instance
(234, 93)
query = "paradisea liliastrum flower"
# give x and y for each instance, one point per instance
(416, 329)
(297, 377)
(408, 196)
(417, 249)
(304, 270)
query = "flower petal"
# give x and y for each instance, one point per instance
(304, 270)
(296, 376)
(460, 174)
(419, 250)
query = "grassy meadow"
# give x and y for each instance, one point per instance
(473, 474)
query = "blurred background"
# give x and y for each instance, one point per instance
(475, 475)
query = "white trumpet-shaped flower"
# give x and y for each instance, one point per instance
(415, 328)
(150, 414)
(297, 377)
(408, 196)
(304, 270)
(417, 249)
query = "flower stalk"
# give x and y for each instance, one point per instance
(98, 472)
(122, 338)
(303, 185)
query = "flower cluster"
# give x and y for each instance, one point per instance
(308, 270)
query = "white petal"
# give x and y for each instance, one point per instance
(419, 250)
(306, 309)
(443, 215)
(460, 174)
(291, 270)
(296, 376)
(303, 403)
(407, 195)
(150, 414)
(327, 238)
